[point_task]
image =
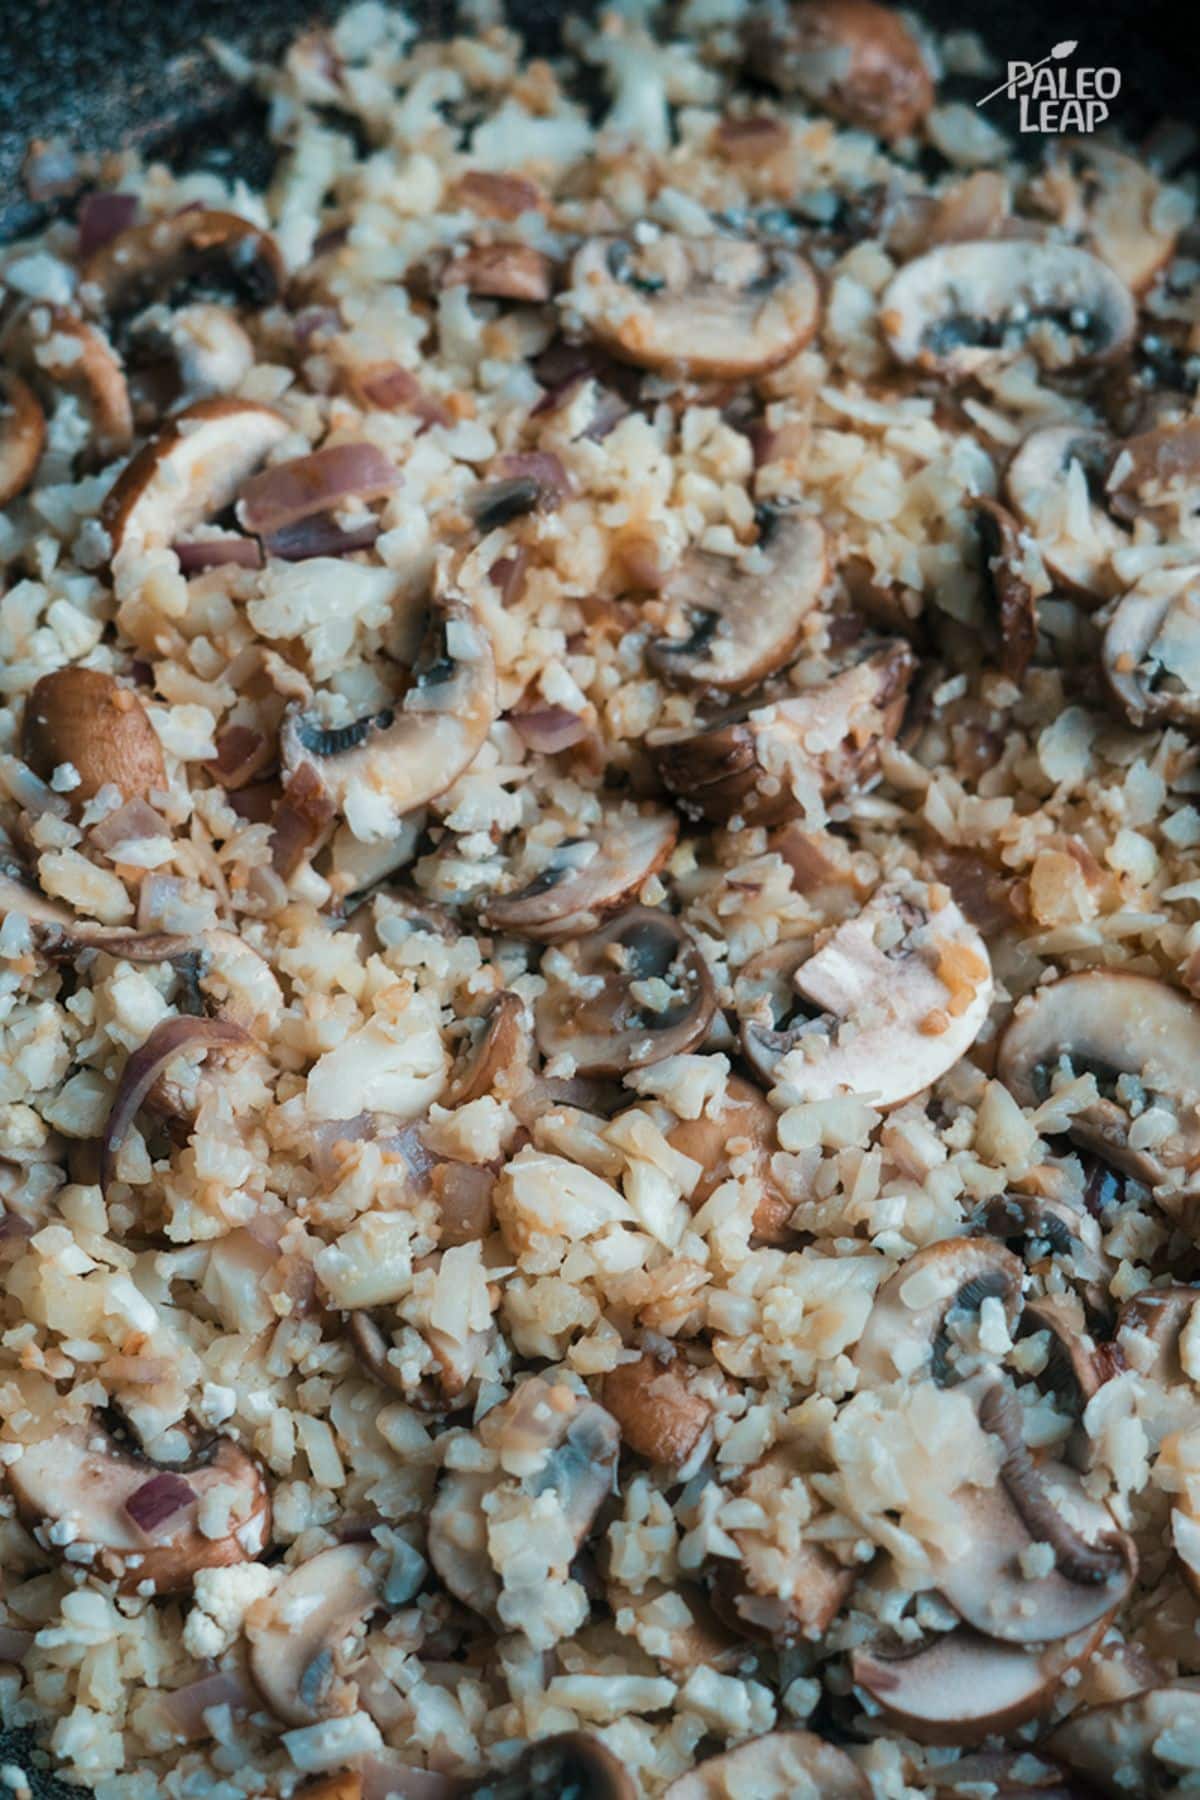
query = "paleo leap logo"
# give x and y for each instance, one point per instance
(1053, 97)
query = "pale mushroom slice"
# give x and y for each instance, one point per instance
(572, 1765)
(197, 252)
(1151, 651)
(852, 58)
(59, 352)
(1144, 1746)
(788, 758)
(1177, 1469)
(22, 435)
(1129, 221)
(381, 767)
(784, 1765)
(896, 996)
(742, 1132)
(193, 469)
(964, 1687)
(302, 1635)
(80, 1487)
(744, 619)
(1055, 485)
(1140, 1039)
(963, 307)
(724, 307)
(1149, 1330)
(918, 1312)
(587, 878)
(631, 994)
(498, 1052)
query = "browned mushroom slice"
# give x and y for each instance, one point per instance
(1146, 1745)
(197, 252)
(85, 719)
(190, 471)
(381, 767)
(784, 1765)
(1127, 222)
(890, 1002)
(1074, 1368)
(137, 1519)
(741, 1130)
(852, 58)
(1151, 651)
(780, 1590)
(1139, 1038)
(963, 307)
(502, 272)
(715, 306)
(788, 756)
(299, 1634)
(22, 435)
(1055, 484)
(963, 1687)
(451, 1385)
(744, 619)
(637, 990)
(1038, 1227)
(1149, 1329)
(660, 1416)
(55, 349)
(498, 1050)
(1012, 597)
(588, 878)
(910, 1330)
(1156, 475)
(571, 1766)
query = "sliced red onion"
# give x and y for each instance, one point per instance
(464, 1194)
(408, 1144)
(167, 1041)
(158, 1500)
(508, 574)
(186, 1706)
(199, 554)
(242, 753)
(609, 410)
(136, 819)
(321, 535)
(257, 802)
(394, 389)
(14, 1645)
(103, 217)
(498, 196)
(301, 823)
(325, 1137)
(314, 484)
(549, 729)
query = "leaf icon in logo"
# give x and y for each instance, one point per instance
(1065, 48)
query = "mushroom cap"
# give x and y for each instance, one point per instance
(854, 59)
(1034, 482)
(22, 435)
(88, 719)
(1113, 1023)
(889, 1021)
(963, 306)
(723, 307)
(660, 1416)
(192, 469)
(411, 752)
(54, 347)
(588, 878)
(1151, 650)
(1126, 1747)
(742, 1128)
(905, 1333)
(746, 623)
(296, 1634)
(83, 1476)
(202, 251)
(775, 763)
(963, 1687)
(638, 991)
(784, 1765)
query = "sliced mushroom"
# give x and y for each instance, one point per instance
(1176, 1470)
(898, 993)
(1144, 1745)
(80, 1487)
(499, 1050)
(744, 622)
(1000, 1774)
(785, 758)
(660, 1416)
(1156, 475)
(1037, 1226)
(1074, 1370)
(544, 1436)
(190, 471)
(502, 272)
(190, 352)
(716, 306)
(1012, 597)
(964, 306)
(298, 1635)
(1140, 1038)
(571, 1766)
(632, 993)
(54, 348)
(784, 1765)
(1065, 510)
(1127, 223)
(741, 1130)
(22, 435)
(381, 767)
(587, 878)
(1149, 1329)
(85, 719)
(195, 253)
(852, 58)
(1151, 651)
(674, 1623)
(910, 1329)
(452, 1385)
(963, 1687)
(779, 1590)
